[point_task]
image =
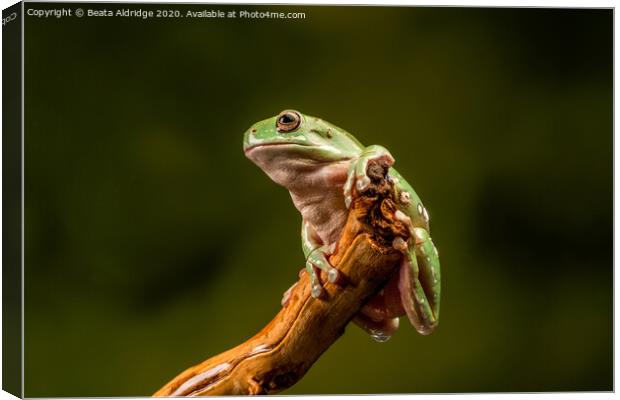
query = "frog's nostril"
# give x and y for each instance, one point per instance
(253, 130)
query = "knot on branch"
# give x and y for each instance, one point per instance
(375, 207)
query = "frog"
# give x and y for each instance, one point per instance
(322, 166)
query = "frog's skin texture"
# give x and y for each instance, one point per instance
(319, 163)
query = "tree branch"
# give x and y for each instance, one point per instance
(283, 351)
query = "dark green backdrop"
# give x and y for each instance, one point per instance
(152, 243)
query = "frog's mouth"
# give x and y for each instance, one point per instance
(255, 146)
(293, 151)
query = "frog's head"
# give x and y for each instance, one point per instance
(293, 139)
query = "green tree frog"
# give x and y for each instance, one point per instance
(319, 164)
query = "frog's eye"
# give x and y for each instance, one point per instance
(288, 121)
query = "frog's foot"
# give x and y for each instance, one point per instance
(358, 174)
(379, 316)
(380, 331)
(316, 261)
(419, 281)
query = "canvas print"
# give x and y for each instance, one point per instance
(216, 199)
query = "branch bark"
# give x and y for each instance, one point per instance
(283, 351)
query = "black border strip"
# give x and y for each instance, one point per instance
(12, 200)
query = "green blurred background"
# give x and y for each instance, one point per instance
(150, 237)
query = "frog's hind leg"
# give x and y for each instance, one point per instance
(419, 282)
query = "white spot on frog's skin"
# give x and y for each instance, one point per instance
(419, 237)
(405, 198)
(420, 209)
(425, 214)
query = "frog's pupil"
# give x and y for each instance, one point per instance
(287, 119)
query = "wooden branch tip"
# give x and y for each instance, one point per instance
(282, 352)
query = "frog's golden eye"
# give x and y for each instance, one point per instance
(288, 121)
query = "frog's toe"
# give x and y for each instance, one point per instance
(317, 290)
(334, 276)
(362, 183)
(419, 283)
(348, 184)
(400, 244)
(347, 201)
(404, 218)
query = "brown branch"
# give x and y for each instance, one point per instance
(283, 351)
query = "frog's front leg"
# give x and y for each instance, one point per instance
(316, 259)
(358, 170)
(419, 281)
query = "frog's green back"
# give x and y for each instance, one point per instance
(336, 129)
(346, 133)
(415, 209)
